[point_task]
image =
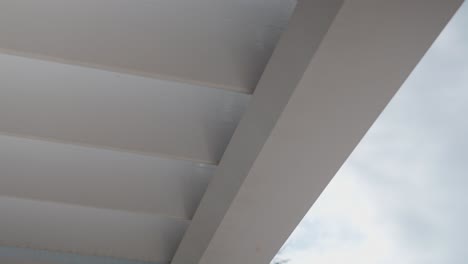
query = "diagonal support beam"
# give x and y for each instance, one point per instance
(334, 70)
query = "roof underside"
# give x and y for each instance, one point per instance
(113, 116)
(223, 44)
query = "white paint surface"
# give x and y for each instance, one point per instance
(88, 231)
(66, 103)
(18, 255)
(306, 116)
(216, 43)
(100, 178)
(95, 160)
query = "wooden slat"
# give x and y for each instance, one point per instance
(88, 231)
(101, 178)
(16, 255)
(223, 44)
(91, 107)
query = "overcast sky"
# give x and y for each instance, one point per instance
(402, 196)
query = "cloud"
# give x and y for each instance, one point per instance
(402, 195)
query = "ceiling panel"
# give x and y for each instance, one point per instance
(16, 255)
(86, 106)
(88, 231)
(216, 43)
(101, 178)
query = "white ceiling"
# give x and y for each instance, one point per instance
(88, 231)
(18, 255)
(114, 115)
(93, 107)
(216, 43)
(101, 178)
(100, 163)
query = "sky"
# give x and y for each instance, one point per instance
(402, 195)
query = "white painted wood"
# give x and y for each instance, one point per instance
(88, 231)
(306, 116)
(223, 44)
(16, 255)
(65, 103)
(100, 178)
(293, 54)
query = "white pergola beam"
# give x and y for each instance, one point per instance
(336, 67)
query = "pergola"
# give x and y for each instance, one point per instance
(187, 131)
